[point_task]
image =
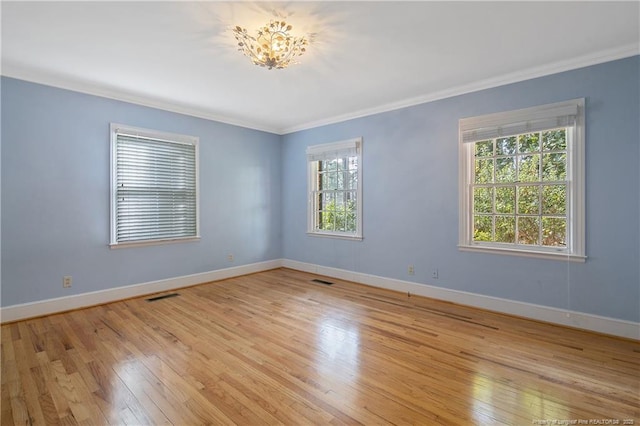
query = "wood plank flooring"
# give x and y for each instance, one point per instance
(277, 348)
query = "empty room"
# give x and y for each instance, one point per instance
(320, 213)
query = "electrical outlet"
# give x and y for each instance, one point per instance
(67, 281)
(434, 273)
(411, 270)
(230, 257)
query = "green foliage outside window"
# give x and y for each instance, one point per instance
(335, 217)
(520, 189)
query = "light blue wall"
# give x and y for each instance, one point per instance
(55, 195)
(411, 196)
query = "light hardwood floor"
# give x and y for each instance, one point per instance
(276, 348)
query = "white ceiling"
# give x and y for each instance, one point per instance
(365, 57)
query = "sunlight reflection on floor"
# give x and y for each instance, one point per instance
(338, 345)
(488, 394)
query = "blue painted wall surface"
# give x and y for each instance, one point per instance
(55, 195)
(410, 196)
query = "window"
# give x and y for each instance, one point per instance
(154, 182)
(522, 182)
(335, 189)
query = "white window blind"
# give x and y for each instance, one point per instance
(331, 151)
(492, 126)
(154, 186)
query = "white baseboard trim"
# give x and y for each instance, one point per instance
(612, 326)
(600, 324)
(77, 301)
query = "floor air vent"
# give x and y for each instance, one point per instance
(322, 282)
(164, 296)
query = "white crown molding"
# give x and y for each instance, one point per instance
(42, 77)
(528, 74)
(96, 89)
(78, 301)
(564, 317)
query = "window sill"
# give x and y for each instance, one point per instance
(153, 242)
(525, 253)
(335, 235)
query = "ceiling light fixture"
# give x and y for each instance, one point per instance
(273, 47)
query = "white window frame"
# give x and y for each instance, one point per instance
(325, 151)
(120, 129)
(569, 114)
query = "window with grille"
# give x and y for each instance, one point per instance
(335, 189)
(522, 181)
(154, 186)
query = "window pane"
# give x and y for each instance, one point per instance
(351, 211)
(554, 199)
(341, 180)
(325, 181)
(554, 232)
(554, 166)
(484, 148)
(529, 230)
(329, 220)
(319, 220)
(554, 140)
(352, 180)
(330, 164)
(529, 143)
(329, 198)
(484, 171)
(343, 163)
(505, 199)
(529, 168)
(482, 226)
(506, 169)
(318, 201)
(340, 219)
(334, 182)
(505, 229)
(328, 213)
(351, 222)
(528, 200)
(483, 200)
(506, 146)
(353, 163)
